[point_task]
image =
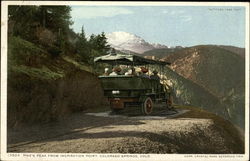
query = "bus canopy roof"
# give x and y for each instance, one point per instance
(123, 59)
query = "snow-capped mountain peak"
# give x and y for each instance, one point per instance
(119, 37)
(159, 46)
(121, 40)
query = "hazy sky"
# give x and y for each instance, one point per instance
(169, 25)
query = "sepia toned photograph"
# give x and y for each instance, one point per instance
(124, 80)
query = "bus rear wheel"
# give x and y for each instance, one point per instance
(147, 106)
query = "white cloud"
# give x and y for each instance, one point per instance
(186, 18)
(173, 12)
(93, 12)
(176, 12)
(179, 14)
(165, 11)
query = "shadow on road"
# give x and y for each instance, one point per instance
(73, 124)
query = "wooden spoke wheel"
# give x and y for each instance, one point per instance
(147, 106)
(169, 102)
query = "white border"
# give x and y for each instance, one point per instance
(3, 78)
(134, 3)
(156, 157)
(247, 81)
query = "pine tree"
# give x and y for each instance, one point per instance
(23, 20)
(104, 43)
(82, 46)
(82, 35)
(47, 26)
(99, 43)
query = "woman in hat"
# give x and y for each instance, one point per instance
(144, 71)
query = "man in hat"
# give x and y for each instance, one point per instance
(155, 75)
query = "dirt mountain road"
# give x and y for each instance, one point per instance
(105, 133)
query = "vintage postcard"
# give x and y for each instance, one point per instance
(124, 80)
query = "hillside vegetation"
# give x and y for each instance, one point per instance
(50, 67)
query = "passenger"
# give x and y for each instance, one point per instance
(116, 71)
(155, 75)
(106, 72)
(131, 72)
(124, 71)
(144, 71)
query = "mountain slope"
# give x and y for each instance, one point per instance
(202, 64)
(187, 92)
(161, 53)
(219, 71)
(237, 50)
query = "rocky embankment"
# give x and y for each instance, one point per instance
(43, 89)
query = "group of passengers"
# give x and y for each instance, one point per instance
(143, 72)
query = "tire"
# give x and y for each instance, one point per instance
(170, 102)
(147, 106)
